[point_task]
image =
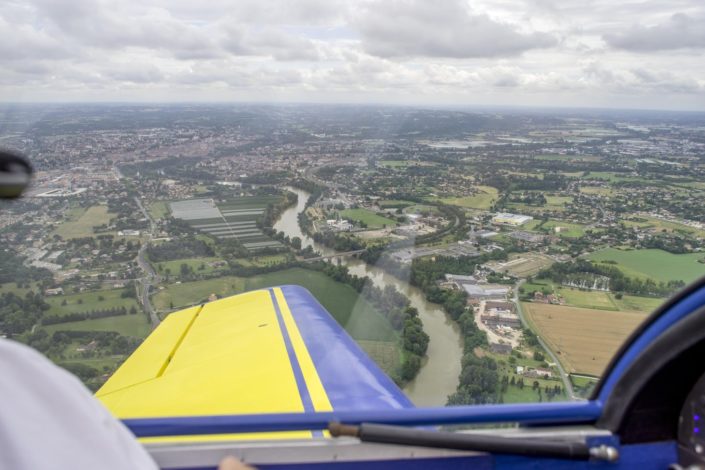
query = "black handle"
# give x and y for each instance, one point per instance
(475, 442)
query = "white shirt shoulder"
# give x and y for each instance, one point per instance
(49, 420)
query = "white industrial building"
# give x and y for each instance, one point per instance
(505, 218)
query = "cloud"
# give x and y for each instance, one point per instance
(22, 42)
(118, 25)
(452, 50)
(417, 28)
(272, 42)
(144, 73)
(680, 31)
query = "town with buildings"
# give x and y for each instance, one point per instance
(535, 234)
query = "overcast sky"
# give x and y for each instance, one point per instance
(603, 53)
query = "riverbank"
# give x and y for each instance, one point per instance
(438, 376)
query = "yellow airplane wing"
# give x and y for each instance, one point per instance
(268, 351)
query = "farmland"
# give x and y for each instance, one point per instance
(235, 218)
(80, 222)
(655, 264)
(583, 339)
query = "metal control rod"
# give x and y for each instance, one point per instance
(385, 434)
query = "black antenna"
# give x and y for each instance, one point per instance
(15, 174)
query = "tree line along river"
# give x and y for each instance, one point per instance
(439, 373)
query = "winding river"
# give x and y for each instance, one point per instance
(438, 376)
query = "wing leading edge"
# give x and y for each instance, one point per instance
(275, 350)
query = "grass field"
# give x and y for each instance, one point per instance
(655, 264)
(596, 299)
(128, 325)
(638, 304)
(112, 298)
(583, 339)
(368, 217)
(483, 199)
(356, 315)
(174, 266)
(158, 209)
(82, 226)
(558, 200)
(587, 299)
(568, 229)
(21, 291)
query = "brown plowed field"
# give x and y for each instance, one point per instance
(584, 339)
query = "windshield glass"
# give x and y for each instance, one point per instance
(488, 205)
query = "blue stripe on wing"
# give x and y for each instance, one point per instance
(351, 379)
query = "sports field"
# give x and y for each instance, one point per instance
(583, 339)
(358, 316)
(80, 222)
(482, 199)
(567, 229)
(368, 217)
(657, 264)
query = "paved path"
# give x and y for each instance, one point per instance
(150, 276)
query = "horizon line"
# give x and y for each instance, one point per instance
(458, 107)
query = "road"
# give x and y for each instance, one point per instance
(337, 255)
(564, 376)
(150, 276)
